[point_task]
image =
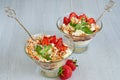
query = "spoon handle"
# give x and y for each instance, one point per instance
(11, 13)
(108, 7)
(24, 28)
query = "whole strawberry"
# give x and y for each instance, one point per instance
(65, 72)
(72, 64)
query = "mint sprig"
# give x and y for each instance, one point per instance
(82, 26)
(86, 30)
(43, 50)
(38, 49)
(79, 26)
(72, 24)
(47, 56)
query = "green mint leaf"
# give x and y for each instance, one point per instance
(38, 49)
(47, 56)
(72, 24)
(42, 51)
(83, 26)
(78, 26)
(86, 30)
(47, 48)
(84, 23)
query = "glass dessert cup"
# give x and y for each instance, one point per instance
(81, 42)
(50, 69)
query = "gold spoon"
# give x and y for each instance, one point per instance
(108, 7)
(11, 13)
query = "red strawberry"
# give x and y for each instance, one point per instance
(59, 43)
(63, 47)
(45, 41)
(91, 20)
(73, 14)
(52, 39)
(82, 16)
(66, 20)
(72, 64)
(65, 72)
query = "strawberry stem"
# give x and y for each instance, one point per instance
(60, 71)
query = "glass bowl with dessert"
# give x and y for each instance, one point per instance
(81, 28)
(49, 52)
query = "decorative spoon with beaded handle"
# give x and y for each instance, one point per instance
(108, 7)
(11, 13)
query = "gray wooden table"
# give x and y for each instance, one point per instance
(100, 62)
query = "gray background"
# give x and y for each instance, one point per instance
(100, 62)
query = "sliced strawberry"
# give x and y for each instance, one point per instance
(72, 64)
(63, 48)
(65, 72)
(66, 20)
(91, 20)
(82, 16)
(52, 39)
(45, 41)
(59, 43)
(73, 14)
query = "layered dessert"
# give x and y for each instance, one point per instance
(80, 28)
(47, 51)
(47, 48)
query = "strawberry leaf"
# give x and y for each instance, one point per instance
(60, 71)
